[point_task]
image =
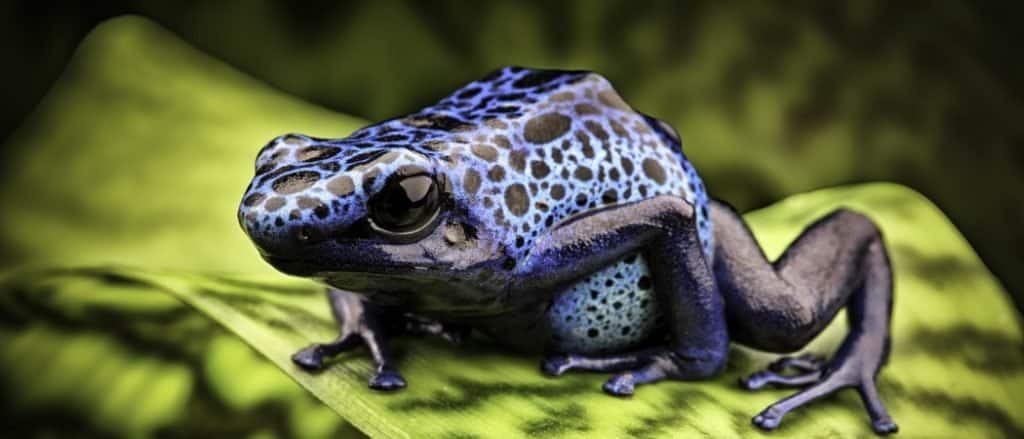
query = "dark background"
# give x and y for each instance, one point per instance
(770, 100)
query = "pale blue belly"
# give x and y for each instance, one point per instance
(612, 310)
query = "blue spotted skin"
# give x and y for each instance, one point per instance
(609, 311)
(522, 151)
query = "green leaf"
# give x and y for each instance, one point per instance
(88, 353)
(132, 168)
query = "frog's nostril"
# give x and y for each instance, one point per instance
(307, 234)
(304, 233)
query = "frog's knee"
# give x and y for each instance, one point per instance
(855, 220)
(787, 328)
(695, 364)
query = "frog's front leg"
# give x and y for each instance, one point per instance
(362, 321)
(663, 229)
(359, 321)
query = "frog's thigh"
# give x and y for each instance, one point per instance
(839, 260)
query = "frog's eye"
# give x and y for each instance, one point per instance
(406, 207)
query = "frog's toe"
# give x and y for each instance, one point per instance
(807, 366)
(387, 380)
(802, 363)
(620, 385)
(309, 358)
(759, 379)
(885, 426)
(768, 419)
(556, 365)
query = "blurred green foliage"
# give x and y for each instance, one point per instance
(135, 160)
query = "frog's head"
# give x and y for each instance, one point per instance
(374, 218)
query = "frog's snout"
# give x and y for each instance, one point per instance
(286, 225)
(298, 196)
(289, 240)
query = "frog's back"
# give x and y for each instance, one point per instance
(533, 147)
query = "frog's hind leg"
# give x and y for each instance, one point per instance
(840, 260)
(664, 230)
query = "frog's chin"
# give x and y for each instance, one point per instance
(430, 295)
(321, 259)
(434, 290)
(296, 266)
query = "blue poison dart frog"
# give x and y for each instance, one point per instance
(538, 208)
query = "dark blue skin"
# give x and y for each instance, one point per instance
(539, 208)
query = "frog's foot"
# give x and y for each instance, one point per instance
(819, 379)
(312, 357)
(622, 384)
(807, 366)
(387, 379)
(556, 365)
(635, 368)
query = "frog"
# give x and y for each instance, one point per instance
(537, 209)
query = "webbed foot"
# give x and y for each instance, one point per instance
(819, 378)
(633, 369)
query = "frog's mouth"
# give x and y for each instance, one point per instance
(292, 266)
(437, 297)
(329, 259)
(402, 275)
